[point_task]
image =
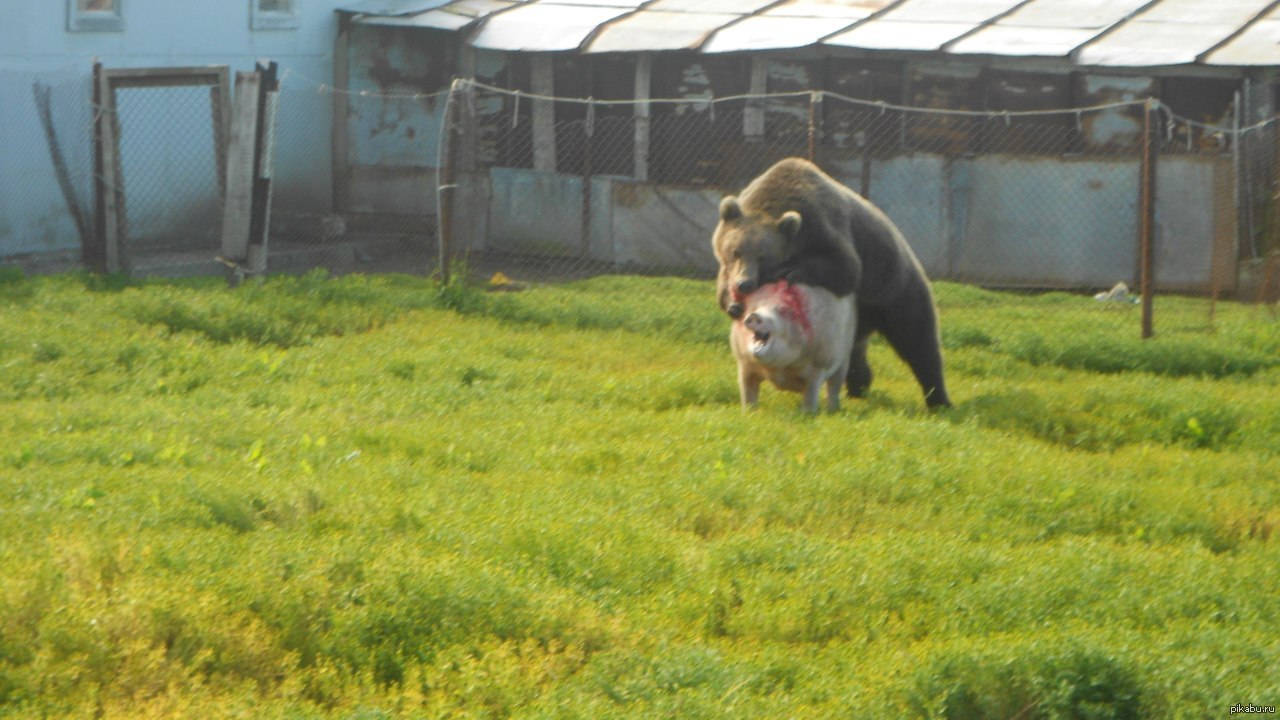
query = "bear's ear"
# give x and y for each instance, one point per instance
(730, 209)
(789, 224)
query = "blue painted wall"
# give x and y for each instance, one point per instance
(170, 203)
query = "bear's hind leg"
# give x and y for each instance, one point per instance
(914, 338)
(858, 379)
(833, 392)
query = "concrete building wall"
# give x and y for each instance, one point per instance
(169, 176)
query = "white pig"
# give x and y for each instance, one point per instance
(798, 337)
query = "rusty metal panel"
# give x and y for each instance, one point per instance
(1259, 44)
(654, 30)
(386, 124)
(1171, 32)
(1118, 128)
(543, 27)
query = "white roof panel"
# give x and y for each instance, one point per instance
(728, 7)
(656, 30)
(1110, 33)
(1259, 44)
(1072, 13)
(774, 32)
(974, 12)
(921, 24)
(542, 27)
(852, 9)
(1023, 42)
(1171, 32)
(891, 35)
(1051, 28)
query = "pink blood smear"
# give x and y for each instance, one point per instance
(791, 301)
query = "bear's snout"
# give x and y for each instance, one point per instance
(735, 310)
(744, 287)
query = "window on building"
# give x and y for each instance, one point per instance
(94, 16)
(274, 14)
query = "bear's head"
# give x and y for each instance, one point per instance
(747, 246)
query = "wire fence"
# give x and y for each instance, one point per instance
(550, 188)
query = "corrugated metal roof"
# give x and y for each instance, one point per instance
(544, 26)
(1259, 44)
(1051, 28)
(1171, 32)
(1112, 33)
(792, 24)
(656, 30)
(731, 7)
(922, 24)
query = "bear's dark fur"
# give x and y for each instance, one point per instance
(796, 223)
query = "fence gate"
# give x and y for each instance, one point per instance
(159, 155)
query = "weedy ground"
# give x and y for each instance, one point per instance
(376, 497)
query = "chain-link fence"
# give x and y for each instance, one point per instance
(46, 167)
(563, 188)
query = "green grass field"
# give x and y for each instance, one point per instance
(371, 497)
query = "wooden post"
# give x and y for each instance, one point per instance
(544, 114)
(96, 255)
(753, 114)
(220, 118)
(447, 187)
(644, 71)
(263, 163)
(237, 209)
(111, 177)
(1147, 218)
(588, 170)
(815, 124)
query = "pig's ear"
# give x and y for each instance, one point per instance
(789, 224)
(730, 209)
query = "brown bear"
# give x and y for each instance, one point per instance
(796, 223)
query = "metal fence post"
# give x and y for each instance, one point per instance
(815, 122)
(1146, 221)
(95, 255)
(446, 185)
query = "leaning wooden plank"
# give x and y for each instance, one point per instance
(238, 199)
